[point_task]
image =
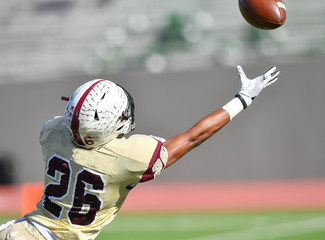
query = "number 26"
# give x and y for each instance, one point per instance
(59, 190)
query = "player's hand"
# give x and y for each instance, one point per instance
(250, 88)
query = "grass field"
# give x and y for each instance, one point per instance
(257, 226)
(244, 226)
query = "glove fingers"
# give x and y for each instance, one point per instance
(275, 74)
(241, 72)
(271, 82)
(270, 70)
(271, 76)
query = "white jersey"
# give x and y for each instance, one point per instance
(84, 189)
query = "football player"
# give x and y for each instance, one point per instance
(91, 166)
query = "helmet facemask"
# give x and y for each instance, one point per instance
(128, 113)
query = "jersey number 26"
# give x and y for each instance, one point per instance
(58, 189)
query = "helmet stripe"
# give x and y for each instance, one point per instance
(75, 117)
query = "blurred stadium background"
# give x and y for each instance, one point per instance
(177, 59)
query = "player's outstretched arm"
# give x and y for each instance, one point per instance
(181, 144)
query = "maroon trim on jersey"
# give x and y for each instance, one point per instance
(150, 174)
(75, 117)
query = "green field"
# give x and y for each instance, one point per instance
(245, 226)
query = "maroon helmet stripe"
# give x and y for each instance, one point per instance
(75, 117)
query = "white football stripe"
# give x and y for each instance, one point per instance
(281, 5)
(285, 229)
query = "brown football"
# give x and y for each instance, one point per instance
(263, 14)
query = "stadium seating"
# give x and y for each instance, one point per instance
(106, 35)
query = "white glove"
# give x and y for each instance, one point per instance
(250, 88)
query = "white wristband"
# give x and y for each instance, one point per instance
(233, 107)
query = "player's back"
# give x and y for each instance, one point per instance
(84, 189)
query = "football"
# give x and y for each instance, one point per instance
(263, 14)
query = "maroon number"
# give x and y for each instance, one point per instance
(91, 200)
(86, 204)
(56, 190)
(88, 140)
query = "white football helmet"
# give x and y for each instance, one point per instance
(97, 112)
